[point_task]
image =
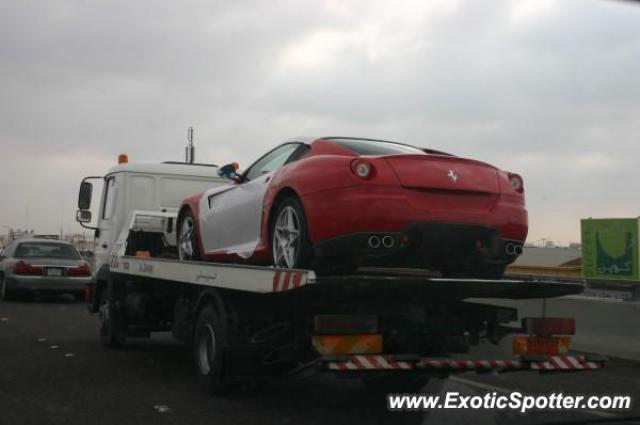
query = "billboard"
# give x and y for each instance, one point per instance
(610, 248)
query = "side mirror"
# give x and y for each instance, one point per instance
(83, 216)
(84, 196)
(230, 171)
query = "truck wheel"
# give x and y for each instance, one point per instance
(111, 333)
(395, 384)
(188, 249)
(208, 347)
(290, 246)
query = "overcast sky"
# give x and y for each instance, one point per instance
(549, 89)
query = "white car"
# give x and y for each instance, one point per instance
(43, 266)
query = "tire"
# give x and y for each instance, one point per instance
(289, 236)
(188, 248)
(210, 338)
(112, 332)
(5, 294)
(395, 384)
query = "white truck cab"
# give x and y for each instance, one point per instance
(129, 187)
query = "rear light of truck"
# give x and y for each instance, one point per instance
(22, 268)
(347, 344)
(545, 336)
(83, 270)
(541, 345)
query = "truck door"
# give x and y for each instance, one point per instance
(108, 219)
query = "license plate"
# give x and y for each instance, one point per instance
(54, 272)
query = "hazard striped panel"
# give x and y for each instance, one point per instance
(566, 363)
(385, 362)
(441, 364)
(284, 281)
(370, 362)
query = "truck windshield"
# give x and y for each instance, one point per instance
(46, 250)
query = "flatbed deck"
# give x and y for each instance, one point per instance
(266, 280)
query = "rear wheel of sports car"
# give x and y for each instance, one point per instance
(187, 243)
(290, 246)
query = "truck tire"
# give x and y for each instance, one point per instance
(210, 338)
(188, 248)
(395, 384)
(112, 334)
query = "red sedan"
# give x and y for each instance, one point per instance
(334, 203)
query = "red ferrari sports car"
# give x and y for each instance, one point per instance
(334, 203)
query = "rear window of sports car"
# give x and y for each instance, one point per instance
(372, 147)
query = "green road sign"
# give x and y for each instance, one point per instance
(610, 248)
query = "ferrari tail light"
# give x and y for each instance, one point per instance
(516, 182)
(82, 270)
(26, 269)
(362, 168)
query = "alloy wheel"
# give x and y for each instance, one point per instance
(286, 238)
(185, 245)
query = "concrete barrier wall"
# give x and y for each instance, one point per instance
(603, 326)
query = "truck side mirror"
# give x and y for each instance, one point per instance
(84, 196)
(83, 216)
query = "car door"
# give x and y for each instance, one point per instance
(231, 218)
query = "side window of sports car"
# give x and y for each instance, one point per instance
(272, 161)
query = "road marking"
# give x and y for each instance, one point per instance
(42, 339)
(507, 391)
(480, 385)
(69, 355)
(4, 319)
(161, 408)
(54, 347)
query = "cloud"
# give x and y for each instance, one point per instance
(547, 89)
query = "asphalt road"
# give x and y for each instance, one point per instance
(53, 371)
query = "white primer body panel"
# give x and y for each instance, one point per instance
(231, 217)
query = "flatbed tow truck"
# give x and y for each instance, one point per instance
(391, 328)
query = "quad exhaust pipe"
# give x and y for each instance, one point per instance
(513, 249)
(385, 241)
